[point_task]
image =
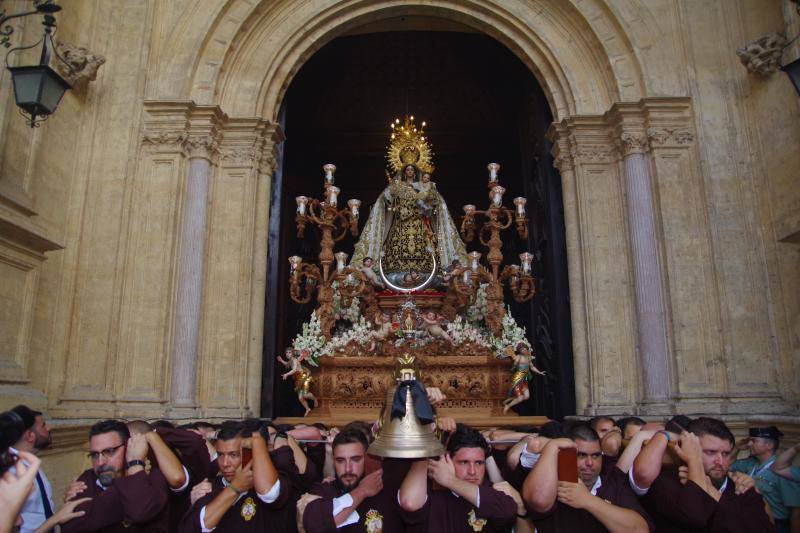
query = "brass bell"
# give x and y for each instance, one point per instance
(406, 437)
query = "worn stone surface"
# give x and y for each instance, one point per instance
(91, 203)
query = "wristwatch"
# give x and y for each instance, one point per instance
(135, 462)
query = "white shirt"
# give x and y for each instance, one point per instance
(271, 495)
(32, 511)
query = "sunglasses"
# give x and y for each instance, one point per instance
(107, 453)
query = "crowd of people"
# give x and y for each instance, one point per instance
(621, 475)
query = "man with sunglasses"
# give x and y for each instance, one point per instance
(124, 497)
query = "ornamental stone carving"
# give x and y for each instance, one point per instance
(83, 64)
(563, 162)
(633, 143)
(670, 136)
(595, 153)
(240, 157)
(164, 140)
(202, 146)
(763, 57)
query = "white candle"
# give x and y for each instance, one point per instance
(341, 259)
(526, 259)
(493, 168)
(329, 169)
(520, 202)
(294, 262)
(469, 209)
(301, 204)
(474, 258)
(333, 193)
(354, 205)
(497, 195)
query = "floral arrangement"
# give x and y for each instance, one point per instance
(311, 339)
(469, 330)
(476, 312)
(512, 335)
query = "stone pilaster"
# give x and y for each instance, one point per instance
(202, 151)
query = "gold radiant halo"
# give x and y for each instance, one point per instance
(408, 146)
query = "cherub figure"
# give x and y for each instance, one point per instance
(432, 323)
(411, 279)
(302, 377)
(370, 274)
(384, 328)
(523, 368)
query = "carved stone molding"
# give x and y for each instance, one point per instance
(202, 146)
(633, 143)
(563, 162)
(83, 64)
(240, 156)
(164, 140)
(763, 56)
(663, 136)
(594, 153)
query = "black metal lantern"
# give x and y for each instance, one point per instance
(793, 70)
(37, 88)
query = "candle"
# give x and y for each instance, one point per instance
(332, 193)
(302, 201)
(474, 258)
(329, 169)
(469, 209)
(341, 258)
(520, 202)
(294, 262)
(497, 195)
(466, 276)
(354, 205)
(493, 168)
(526, 259)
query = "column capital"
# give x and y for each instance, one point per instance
(633, 142)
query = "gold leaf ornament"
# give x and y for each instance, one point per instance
(408, 146)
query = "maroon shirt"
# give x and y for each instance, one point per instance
(688, 508)
(250, 513)
(444, 512)
(379, 509)
(614, 489)
(132, 503)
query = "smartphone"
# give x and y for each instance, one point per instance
(247, 456)
(568, 465)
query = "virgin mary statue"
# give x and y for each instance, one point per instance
(409, 225)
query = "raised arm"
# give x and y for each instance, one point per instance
(444, 473)
(632, 450)
(647, 464)
(540, 488)
(783, 464)
(168, 462)
(213, 512)
(414, 489)
(264, 473)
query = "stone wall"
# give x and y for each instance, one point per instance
(133, 224)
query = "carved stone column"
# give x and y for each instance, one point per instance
(201, 150)
(650, 312)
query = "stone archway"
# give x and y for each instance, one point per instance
(610, 139)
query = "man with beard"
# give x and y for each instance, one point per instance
(462, 499)
(597, 502)
(124, 497)
(249, 494)
(353, 501)
(35, 436)
(700, 495)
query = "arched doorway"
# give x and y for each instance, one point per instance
(483, 104)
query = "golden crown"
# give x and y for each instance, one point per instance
(408, 146)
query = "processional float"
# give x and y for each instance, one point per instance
(451, 320)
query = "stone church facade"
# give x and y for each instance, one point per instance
(134, 223)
